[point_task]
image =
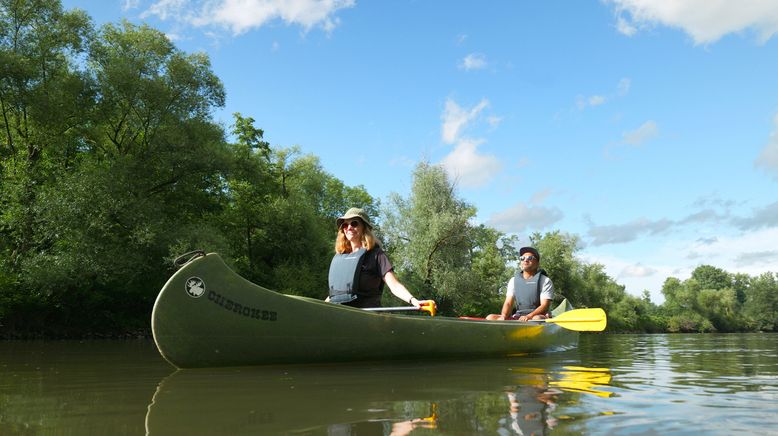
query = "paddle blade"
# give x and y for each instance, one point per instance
(582, 320)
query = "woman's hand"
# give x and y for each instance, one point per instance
(427, 306)
(425, 303)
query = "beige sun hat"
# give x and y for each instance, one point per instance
(355, 212)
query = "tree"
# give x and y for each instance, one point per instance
(557, 254)
(280, 213)
(761, 306)
(313, 199)
(437, 250)
(132, 180)
(707, 300)
(710, 277)
(42, 100)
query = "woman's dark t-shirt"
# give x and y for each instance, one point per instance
(371, 279)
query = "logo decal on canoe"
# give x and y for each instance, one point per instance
(195, 287)
(240, 309)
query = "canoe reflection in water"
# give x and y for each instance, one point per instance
(533, 400)
(385, 399)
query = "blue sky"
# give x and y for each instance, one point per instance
(647, 128)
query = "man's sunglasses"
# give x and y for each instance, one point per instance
(354, 223)
(527, 258)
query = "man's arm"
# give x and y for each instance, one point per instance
(507, 307)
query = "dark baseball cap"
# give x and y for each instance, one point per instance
(531, 250)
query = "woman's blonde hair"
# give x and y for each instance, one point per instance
(342, 245)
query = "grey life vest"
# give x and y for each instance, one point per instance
(526, 293)
(344, 276)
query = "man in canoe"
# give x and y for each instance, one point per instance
(529, 292)
(360, 267)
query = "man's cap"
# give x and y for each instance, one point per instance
(355, 212)
(531, 250)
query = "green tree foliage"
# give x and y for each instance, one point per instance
(280, 212)
(108, 154)
(112, 165)
(710, 277)
(438, 251)
(714, 300)
(318, 198)
(41, 96)
(760, 309)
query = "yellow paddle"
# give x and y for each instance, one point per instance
(581, 320)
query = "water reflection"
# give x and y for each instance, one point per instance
(611, 384)
(585, 380)
(533, 400)
(77, 387)
(501, 396)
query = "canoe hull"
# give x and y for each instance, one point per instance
(208, 316)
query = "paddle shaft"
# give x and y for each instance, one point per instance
(430, 308)
(392, 309)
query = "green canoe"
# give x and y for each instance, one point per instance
(206, 315)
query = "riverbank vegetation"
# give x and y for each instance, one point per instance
(112, 164)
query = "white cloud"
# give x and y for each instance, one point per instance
(752, 252)
(469, 168)
(766, 216)
(493, 121)
(766, 257)
(455, 119)
(596, 100)
(623, 86)
(624, 27)
(636, 276)
(580, 102)
(130, 4)
(645, 132)
(540, 196)
(473, 61)
(768, 158)
(621, 233)
(522, 216)
(175, 37)
(704, 20)
(243, 15)
(637, 270)
(170, 9)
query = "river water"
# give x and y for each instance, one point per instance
(609, 384)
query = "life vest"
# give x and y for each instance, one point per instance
(344, 276)
(526, 294)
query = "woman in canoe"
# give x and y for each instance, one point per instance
(360, 267)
